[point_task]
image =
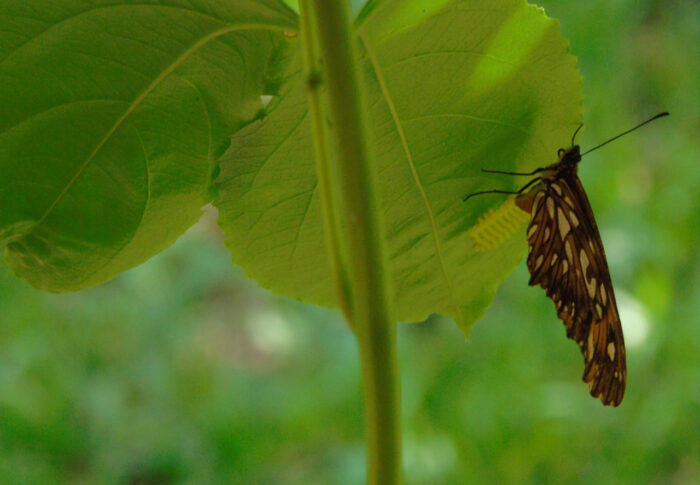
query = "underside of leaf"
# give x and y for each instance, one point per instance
(450, 89)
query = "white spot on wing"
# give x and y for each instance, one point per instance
(564, 226)
(584, 261)
(538, 263)
(550, 207)
(574, 219)
(546, 234)
(599, 309)
(569, 252)
(564, 266)
(611, 351)
(590, 343)
(556, 188)
(603, 295)
(591, 287)
(554, 259)
(531, 231)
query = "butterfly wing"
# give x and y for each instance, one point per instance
(567, 259)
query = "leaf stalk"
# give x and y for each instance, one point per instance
(350, 180)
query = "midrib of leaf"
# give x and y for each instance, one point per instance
(409, 159)
(139, 99)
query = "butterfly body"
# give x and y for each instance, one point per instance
(566, 258)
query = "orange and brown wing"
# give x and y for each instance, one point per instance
(567, 259)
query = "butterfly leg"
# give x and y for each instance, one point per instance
(511, 192)
(537, 170)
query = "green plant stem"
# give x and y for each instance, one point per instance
(331, 216)
(352, 179)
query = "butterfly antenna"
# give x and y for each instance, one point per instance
(573, 137)
(660, 115)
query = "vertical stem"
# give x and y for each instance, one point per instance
(331, 216)
(351, 180)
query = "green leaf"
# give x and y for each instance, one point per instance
(452, 87)
(112, 117)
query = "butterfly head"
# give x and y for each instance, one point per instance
(570, 157)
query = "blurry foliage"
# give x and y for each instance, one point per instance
(183, 371)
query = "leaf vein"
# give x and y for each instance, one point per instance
(131, 108)
(409, 159)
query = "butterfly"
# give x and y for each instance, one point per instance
(566, 258)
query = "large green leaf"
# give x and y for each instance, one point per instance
(112, 116)
(451, 87)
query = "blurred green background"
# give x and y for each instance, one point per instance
(184, 371)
